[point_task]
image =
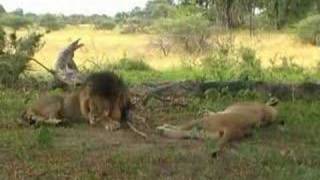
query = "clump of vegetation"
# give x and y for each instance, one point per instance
(14, 21)
(44, 137)
(229, 63)
(15, 55)
(190, 32)
(249, 66)
(309, 29)
(106, 24)
(135, 25)
(163, 43)
(131, 65)
(51, 22)
(219, 66)
(286, 70)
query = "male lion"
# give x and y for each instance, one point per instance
(102, 99)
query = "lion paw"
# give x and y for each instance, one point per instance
(112, 126)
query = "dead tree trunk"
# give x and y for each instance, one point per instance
(280, 90)
(66, 71)
(284, 91)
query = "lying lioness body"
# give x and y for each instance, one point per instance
(264, 114)
(234, 123)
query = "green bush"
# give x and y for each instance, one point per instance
(106, 24)
(189, 32)
(131, 65)
(51, 22)
(44, 137)
(309, 29)
(14, 21)
(15, 56)
(219, 67)
(135, 25)
(287, 70)
(228, 63)
(249, 65)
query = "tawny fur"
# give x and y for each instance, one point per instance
(94, 102)
(234, 123)
(263, 113)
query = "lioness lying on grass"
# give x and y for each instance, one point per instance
(234, 123)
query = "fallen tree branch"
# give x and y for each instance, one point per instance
(186, 88)
(280, 90)
(136, 130)
(66, 70)
(43, 66)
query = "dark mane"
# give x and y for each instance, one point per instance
(106, 84)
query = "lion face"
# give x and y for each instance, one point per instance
(27, 117)
(99, 110)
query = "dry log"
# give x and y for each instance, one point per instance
(187, 88)
(66, 70)
(280, 90)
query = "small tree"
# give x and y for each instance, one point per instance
(51, 22)
(135, 25)
(18, 12)
(106, 24)
(156, 9)
(163, 43)
(15, 55)
(250, 67)
(190, 32)
(14, 21)
(309, 30)
(121, 17)
(2, 9)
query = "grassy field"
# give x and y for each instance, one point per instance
(104, 46)
(82, 152)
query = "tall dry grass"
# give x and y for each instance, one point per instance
(110, 46)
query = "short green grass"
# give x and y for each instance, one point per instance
(83, 152)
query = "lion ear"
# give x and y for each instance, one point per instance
(221, 133)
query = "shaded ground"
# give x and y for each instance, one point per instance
(82, 152)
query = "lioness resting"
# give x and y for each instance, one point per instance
(102, 99)
(234, 123)
(264, 113)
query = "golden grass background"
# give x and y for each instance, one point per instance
(101, 46)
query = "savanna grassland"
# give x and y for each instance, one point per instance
(82, 152)
(102, 46)
(79, 151)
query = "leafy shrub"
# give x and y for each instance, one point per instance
(51, 22)
(135, 25)
(221, 65)
(189, 32)
(2, 40)
(121, 17)
(44, 137)
(15, 56)
(106, 24)
(163, 43)
(159, 9)
(249, 66)
(287, 70)
(131, 64)
(309, 29)
(2, 9)
(228, 63)
(14, 21)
